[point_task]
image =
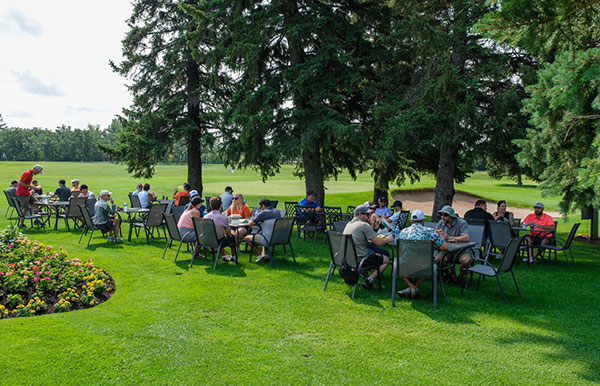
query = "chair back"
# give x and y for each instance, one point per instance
(9, 199)
(169, 203)
(73, 210)
(207, 201)
(430, 224)
(274, 203)
(17, 205)
(155, 215)
(281, 212)
(415, 258)
(255, 211)
(337, 246)
(402, 219)
(177, 211)
(339, 226)
(183, 200)
(87, 219)
(172, 226)
(282, 231)
(510, 253)
(290, 209)
(332, 214)
(516, 222)
(500, 234)
(477, 235)
(135, 201)
(305, 213)
(350, 252)
(206, 233)
(91, 206)
(571, 236)
(350, 209)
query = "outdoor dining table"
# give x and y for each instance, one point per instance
(53, 206)
(131, 214)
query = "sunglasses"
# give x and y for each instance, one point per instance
(235, 198)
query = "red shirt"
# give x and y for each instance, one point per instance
(26, 178)
(544, 220)
(183, 193)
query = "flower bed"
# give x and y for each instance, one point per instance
(39, 279)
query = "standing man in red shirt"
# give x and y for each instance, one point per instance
(23, 192)
(540, 225)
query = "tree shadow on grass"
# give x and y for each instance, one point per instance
(515, 185)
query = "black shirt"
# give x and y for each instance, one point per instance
(478, 214)
(63, 193)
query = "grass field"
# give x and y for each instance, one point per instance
(254, 324)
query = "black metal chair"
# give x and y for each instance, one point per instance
(174, 234)
(177, 211)
(562, 245)
(415, 261)
(276, 232)
(309, 220)
(274, 203)
(11, 204)
(402, 219)
(154, 219)
(477, 235)
(206, 236)
(342, 247)
(505, 266)
(73, 211)
(339, 226)
(290, 209)
(500, 235)
(183, 201)
(88, 224)
(31, 217)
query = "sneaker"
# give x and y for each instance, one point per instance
(110, 239)
(525, 260)
(263, 257)
(117, 240)
(405, 293)
(532, 260)
(226, 258)
(368, 283)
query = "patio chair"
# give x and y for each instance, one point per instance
(350, 210)
(177, 211)
(170, 204)
(135, 201)
(88, 224)
(415, 261)
(339, 226)
(30, 217)
(73, 211)
(477, 235)
(500, 236)
(153, 220)
(290, 209)
(174, 234)
(277, 232)
(274, 203)
(342, 246)
(332, 214)
(309, 220)
(505, 266)
(91, 206)
(11, 204)
(563, 245)
(402, 219)
(206, 236)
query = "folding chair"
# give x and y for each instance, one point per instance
(88, 224)
(174, 234)
(73, 212)
(135, 201)
(206, 236)
(11, 204)
(154, 219)
(563, 245)
(31, 217)
(276, 232)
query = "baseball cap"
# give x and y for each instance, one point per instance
(193, 193)
(39, 168)
(397, 203)
(449, 211)
(417, 215)
(361, 209)
(102, 193)
(538, 205)
(310, 193)
(75, 180)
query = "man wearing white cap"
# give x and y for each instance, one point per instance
(104, 218)
(23, 190)
(418, 231)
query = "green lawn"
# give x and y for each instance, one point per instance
(254, 324)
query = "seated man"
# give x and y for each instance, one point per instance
(418, 231)
(12, 189)
(37, 189)
(138, 188)
(62, 191)
(308, 201)
(222, 228)
(184, 193)
(454, 229)
(362, 232)
(479, 212)
(85, 192)
(146, 197)
(399, 218)
(541, 226)
(267, 213)
(227, 197)
(104, 218)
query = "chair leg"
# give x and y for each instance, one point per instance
(165, 251)
(394, 276)
(501, 290)
(82, 232)
(435, 297)
(354, 290)
(515, 280)
(193, 254)
(291, 250)
(328, 274)
(572, 258)
(272, 255)
(90, 239)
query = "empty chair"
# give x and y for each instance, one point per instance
(477, 235)
(505, 266)
(88, 224)
(11, 204)
(174, 234)
(415, 261)
(153, 220)
(73, 211)
(170, 204)
(274, 232)
(30, 217)
(562, 245)
(500, 235)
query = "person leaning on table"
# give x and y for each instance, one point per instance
(267, 213)
(362, 232)
(454, 229)
(542, 225)
(23, 192)
(418, 231)
(104, 218)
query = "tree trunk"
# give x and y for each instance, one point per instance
(380, 184)
(194, 146)
(519, 179)
(444, 185)
(313, 174)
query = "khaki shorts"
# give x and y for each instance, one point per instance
(24, 202)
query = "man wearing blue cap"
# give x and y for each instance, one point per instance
(454, 230)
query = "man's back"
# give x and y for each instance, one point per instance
(361, 233)
(267, 214)
(478, 214)
(63, 193)
(12, 190)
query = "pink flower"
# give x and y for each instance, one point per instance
(37, 273)
(36, 279)
(36, 261)
(8, 273)
(25, 277)
(46, 278)
(47, 272)
(60, 274)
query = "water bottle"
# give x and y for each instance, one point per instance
(125, 206)
(524, 226)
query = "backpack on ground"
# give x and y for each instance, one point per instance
(348, 273)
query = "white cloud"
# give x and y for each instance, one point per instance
(34, 85)
(16, 22)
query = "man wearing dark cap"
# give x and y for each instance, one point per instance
(541, 226)
(398, 219)
(62, 191)
(362, 233)
(454, 229)
(309, 201)
(23, 190)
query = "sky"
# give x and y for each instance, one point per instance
(54, 59)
